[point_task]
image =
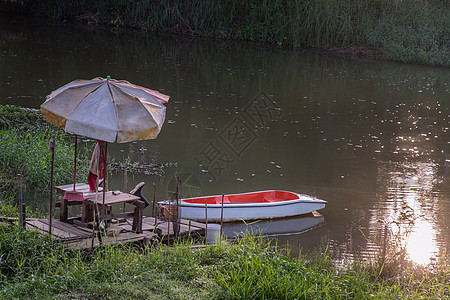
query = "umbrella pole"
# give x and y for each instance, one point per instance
(96, 219)
(96, 210)
(104, 178)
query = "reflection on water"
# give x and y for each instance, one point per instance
(412, 208)
(283, 226)
(421, 244)
(370, 137)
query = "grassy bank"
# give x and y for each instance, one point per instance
(409, 31)
(34, 267)
(24, 138)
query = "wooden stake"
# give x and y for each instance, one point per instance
(20, 198)
(154, 200)
(125, 182)
(52, 146)
(168, 220)
(221, 217)
(189, 228)
(176, 224)
(206, 220)
(23, 216)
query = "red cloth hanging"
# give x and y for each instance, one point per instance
(94, 167)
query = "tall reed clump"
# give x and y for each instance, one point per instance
(257, 269)
(410, 31)
(249, 268)
(24, 149)
(27, 153)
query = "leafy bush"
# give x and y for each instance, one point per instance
(421, 37)
(410, 31)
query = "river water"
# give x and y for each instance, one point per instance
(370, 137)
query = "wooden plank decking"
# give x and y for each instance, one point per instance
(79, 237)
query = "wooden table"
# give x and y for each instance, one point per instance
(79, 187)
(91, 201)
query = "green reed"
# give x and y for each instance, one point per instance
(410, 31)
(249, 268)
(24, 138)
(27, 153)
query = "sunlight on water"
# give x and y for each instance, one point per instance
(421, 244)
(409, 211)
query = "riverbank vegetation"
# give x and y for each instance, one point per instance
(409, 31)
(24, 149)
(34, 267)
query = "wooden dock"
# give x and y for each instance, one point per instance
(79, 237)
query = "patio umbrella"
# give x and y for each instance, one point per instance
(107, 110)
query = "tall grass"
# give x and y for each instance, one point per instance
(410, 31)
(26, 253)
(250, 268)
(24, 138)
(27, 153)
(257, 269)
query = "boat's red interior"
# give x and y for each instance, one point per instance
(257, 197)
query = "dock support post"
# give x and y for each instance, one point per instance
(175, 220)
(125, 181)
(168, 220)
(23, 216)
(51, 145)
(137, 218)
(19, 196)
(206, 221)
(189, 228)
(153, 207)
(63, 214)
(221, 217)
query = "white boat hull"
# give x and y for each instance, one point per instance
(249, 211)
(283, 226)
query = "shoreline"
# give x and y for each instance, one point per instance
(409, 32)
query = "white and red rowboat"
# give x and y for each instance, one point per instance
(247, 206)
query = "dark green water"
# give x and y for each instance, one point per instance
(370, 137)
